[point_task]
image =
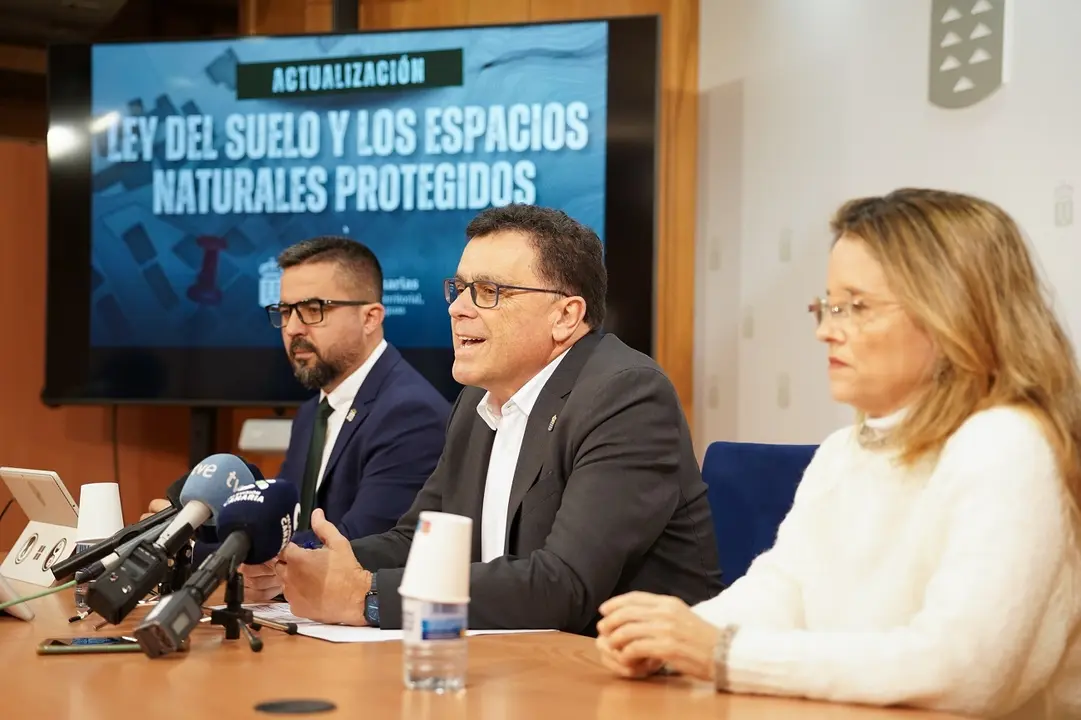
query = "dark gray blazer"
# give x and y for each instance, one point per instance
(608, 500)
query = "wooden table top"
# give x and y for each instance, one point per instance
(520, 677)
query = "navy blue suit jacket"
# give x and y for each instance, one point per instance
(382, 456)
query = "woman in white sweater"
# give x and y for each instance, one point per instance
(931, 557)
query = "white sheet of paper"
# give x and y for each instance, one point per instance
(281, 613)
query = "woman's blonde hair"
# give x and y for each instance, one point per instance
(962, 270)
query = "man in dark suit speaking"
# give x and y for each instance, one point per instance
(570, 452)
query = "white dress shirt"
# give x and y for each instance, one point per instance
(341, 400)
(509, 424)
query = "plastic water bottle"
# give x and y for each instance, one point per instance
(82, 588)
(434, 645)
(435, 603)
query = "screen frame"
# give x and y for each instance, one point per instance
(77, 374)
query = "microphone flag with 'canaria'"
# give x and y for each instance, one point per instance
(265, 512)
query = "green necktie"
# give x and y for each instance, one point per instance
(315, 459)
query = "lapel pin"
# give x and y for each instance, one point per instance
(351, 414)
(551, 423)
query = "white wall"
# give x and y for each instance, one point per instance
(806, 103)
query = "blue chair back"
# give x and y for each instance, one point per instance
(750, 487)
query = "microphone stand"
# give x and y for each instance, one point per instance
(178, 573)
(234, 617)
(166, 628)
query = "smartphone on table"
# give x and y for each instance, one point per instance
(89, 644)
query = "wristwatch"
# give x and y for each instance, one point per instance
(371, 605)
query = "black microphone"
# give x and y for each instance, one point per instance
(257, 524)
(67, 568)
(116, 592)
(115, 558)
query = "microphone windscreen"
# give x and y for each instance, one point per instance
(173, 491)
(206, 534)
(255, 471)
(268, 513)
(213, 480)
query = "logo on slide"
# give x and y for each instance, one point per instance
(270, 283)
(967, 50)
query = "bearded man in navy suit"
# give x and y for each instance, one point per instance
(363, 447)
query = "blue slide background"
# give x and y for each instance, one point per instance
(144, 264)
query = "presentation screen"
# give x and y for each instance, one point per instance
(179, 171)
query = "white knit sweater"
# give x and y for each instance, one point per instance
(955, 585)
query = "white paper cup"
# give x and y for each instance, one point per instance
(437, 569)
(100, 514)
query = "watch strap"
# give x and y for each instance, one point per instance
(371, 604)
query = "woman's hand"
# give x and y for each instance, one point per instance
(641, 632)
(634, 669)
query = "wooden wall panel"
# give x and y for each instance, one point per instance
(387, 15)
(22, 59)
(413, 13)
(23, 120)
(283, 17)
(489, 12)
(275, 17)
(319, 16)
(76, 442)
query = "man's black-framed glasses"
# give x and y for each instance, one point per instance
(310, 311)
(485, 293)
